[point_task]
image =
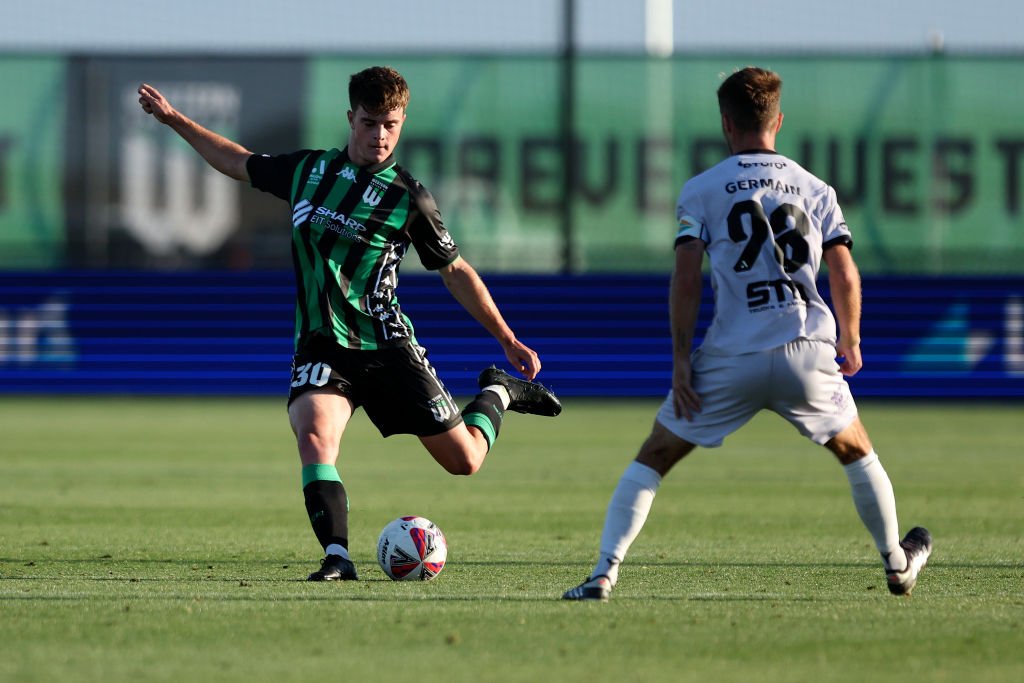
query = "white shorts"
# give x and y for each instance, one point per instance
(800, 381)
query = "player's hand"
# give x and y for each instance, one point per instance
(849, 358)
(523, 358)
(154, 103)
(684, 399)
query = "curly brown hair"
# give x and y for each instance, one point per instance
(750, 98)
(378, 89)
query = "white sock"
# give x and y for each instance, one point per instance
(336, 549)
(502, 393)
(627, 511)
(876, 505)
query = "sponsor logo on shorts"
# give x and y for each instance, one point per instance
(839, 399)
(441, 408)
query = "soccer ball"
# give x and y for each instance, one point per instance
(412, 548)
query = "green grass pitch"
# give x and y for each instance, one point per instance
(153, 539)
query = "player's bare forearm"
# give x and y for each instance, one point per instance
(223, 154)
(845, 288)
(684, 307)
(684, 296)
(472, 294)
(470, 291)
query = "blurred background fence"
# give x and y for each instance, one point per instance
(127, 265)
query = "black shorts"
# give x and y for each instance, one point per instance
(398, 388)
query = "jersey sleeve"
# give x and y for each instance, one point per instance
(834, 231)
(689, 218)
(275, 174)
(434, 244)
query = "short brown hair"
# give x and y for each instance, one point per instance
(750, 98)
(378, 89)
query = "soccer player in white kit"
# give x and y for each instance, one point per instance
(766, 223)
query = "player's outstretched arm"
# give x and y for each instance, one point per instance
(469, 290)
(844, 283)
(226, 156)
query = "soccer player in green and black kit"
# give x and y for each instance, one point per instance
(355, 212)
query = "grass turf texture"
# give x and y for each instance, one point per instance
(166, 540)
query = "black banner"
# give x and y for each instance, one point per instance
(139, 196)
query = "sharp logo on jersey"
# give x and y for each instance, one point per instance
(339, 222)
(332, 220)
(348, 173)
(374, 193)
(324, 213)
(317, 174)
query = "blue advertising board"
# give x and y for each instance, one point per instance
(221, 333)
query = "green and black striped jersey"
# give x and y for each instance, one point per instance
(351, 227)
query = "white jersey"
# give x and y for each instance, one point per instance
(766, 221)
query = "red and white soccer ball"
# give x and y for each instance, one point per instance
(412, 548)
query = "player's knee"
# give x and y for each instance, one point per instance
(312, 443)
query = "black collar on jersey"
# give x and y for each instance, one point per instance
(756, 151)
(372, 168)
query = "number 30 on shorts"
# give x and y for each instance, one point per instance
(315, 374)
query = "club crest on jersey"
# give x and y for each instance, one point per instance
(374, 193)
